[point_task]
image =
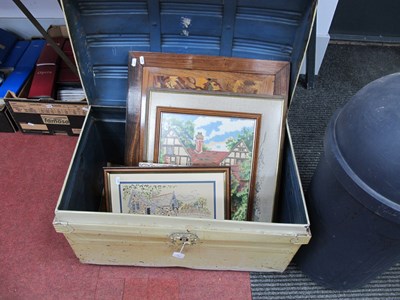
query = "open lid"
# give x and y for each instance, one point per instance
(103, 32)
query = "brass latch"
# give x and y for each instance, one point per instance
(178, 238)
(182, 239)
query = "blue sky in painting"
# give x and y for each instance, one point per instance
(216, 130)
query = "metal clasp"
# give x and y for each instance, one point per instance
(182, 239)
(179, 238)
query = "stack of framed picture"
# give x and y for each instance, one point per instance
(210, 131)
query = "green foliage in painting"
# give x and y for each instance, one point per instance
(246, 135)
(184, 130)
(241, 210)
(245, 169)
(145, 192)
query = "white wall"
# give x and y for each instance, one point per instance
(47, 12)
(326, 10)
(39, 8)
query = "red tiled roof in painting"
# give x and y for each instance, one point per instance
(211, 158)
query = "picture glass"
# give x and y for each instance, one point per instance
(183, 199)
(217, 110)
(177, 192)
(202, 138)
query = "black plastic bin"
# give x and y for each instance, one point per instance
(354, 196)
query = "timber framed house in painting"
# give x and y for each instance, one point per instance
(212, 138)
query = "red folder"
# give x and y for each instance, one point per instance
(43, 83)
(49, 55)
(44, 78)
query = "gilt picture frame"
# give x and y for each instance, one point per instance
(178, 192)
(194, 72)
(272, 113)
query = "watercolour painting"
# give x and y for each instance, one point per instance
(183, 199)
(188, 192)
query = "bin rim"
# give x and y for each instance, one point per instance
(352, 183)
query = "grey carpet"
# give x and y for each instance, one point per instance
(345, 70)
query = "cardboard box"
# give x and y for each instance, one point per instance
(46, 116)
(7, 123)
(272, 30)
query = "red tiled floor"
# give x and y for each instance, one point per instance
(110, 289)
(38, 263)
(163, 287)
(136, 288)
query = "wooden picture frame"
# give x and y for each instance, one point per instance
(194, 72)
(181, 192)
(272, 110)
(195, 137)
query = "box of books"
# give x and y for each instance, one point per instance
(52, 101)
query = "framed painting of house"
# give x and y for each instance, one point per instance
(179, 192)
(210, 118)
(194, 72)
(194, 137)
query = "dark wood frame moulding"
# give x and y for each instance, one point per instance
(138, 88)
(225, 187)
